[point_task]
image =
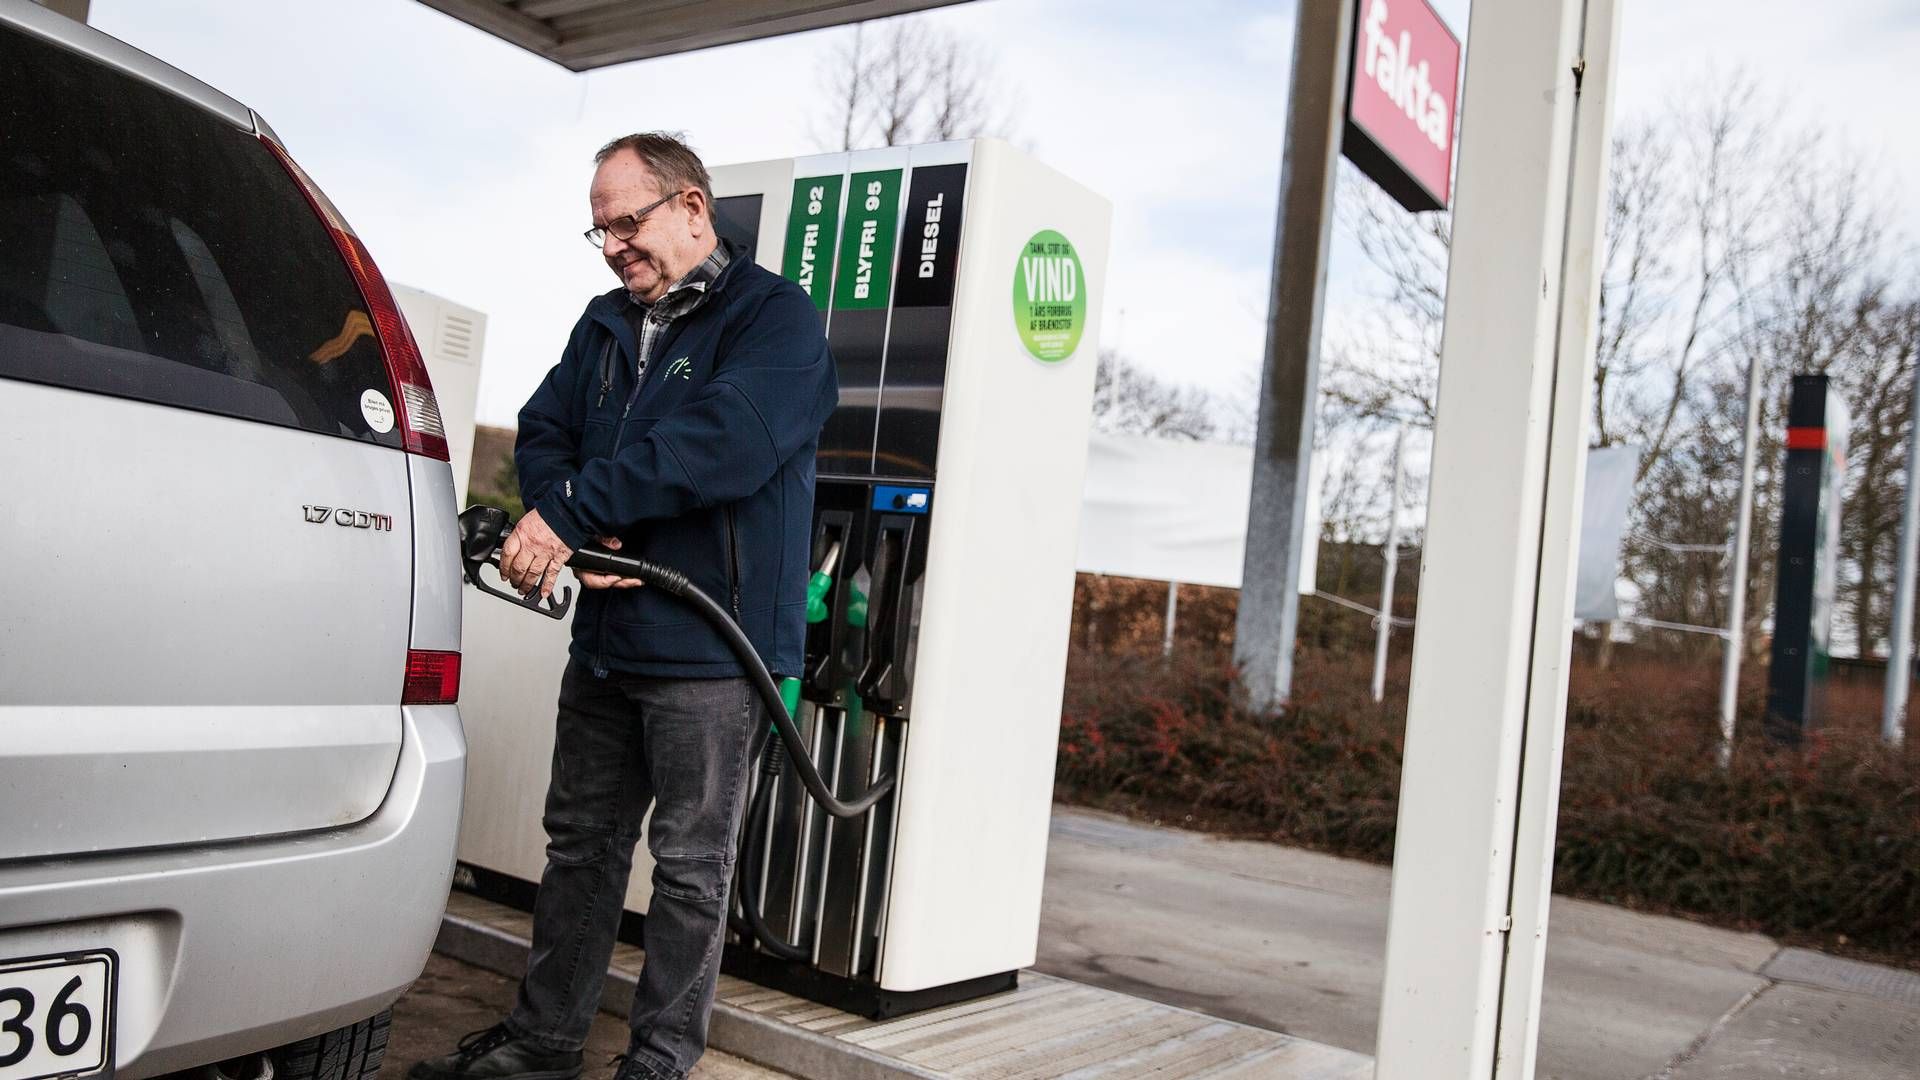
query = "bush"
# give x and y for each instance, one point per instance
(1819, 843)
(501, 489)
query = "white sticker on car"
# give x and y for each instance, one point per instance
(378, 411)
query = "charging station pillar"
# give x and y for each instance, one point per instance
(959, 285)
(1809, 559)
(1473, 855)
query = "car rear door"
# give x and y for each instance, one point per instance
(208, 546)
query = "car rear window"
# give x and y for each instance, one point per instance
(150, 249)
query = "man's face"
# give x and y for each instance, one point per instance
(672, 238)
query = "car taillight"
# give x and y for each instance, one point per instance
(433, 678)
(417, 411)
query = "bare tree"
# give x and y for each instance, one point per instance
(1386, 371)
(897, 82)
(1877, 383)
(907, 81)
(1688, 209)
(1731, 234)
(1130, 401)
(1797, 250)
(843, 81)
(959, 104)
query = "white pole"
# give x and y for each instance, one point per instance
(1473, 864)
(1393, 565)
(1173, 611)
(1737, 583)
(1893, 718)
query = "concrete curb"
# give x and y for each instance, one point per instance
(758, 1038)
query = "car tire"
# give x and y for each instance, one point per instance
(353, 1052)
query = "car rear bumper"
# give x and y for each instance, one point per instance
(239, 947)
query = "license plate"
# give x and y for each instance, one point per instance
(56, 1015)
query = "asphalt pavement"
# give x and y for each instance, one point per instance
(1295, 942)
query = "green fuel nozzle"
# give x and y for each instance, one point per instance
(819, 588)
(820, 585)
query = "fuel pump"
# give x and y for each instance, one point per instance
(895, 842)
(957, 283)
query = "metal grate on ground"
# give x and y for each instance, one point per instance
(1837, 973)
(1047, 1029)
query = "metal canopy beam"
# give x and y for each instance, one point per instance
(582, 35)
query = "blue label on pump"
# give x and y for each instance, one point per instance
(902, 500)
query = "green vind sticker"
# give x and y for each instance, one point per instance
(811, 230)
(1049, 297)
(865, 277)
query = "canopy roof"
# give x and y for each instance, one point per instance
(585, 34)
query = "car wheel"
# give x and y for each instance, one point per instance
(353, 1052)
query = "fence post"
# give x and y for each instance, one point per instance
(1893, 717)
(1737, 586)
(1392, 552)
(1173, 611)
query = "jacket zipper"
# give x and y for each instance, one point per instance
(606, 381)
(606, 372)
(619, 430)
(733, 565)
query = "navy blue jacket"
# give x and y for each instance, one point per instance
(707, 467)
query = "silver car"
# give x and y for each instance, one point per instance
(230, 758)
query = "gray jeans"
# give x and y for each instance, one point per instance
(622, 743)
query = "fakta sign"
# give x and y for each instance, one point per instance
(1401, 94)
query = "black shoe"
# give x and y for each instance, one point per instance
(631, 1067)
(496, 1053)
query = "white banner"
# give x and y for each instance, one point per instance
(1177, 511)
(1603, 525)
(1166, 510)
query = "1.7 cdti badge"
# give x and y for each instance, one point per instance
(349, 519)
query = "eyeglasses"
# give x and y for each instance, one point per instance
(627, 225)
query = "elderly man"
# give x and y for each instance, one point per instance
(680, 424)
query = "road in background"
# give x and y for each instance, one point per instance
(1295, 942)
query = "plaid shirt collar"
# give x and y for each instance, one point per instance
(651, 320)
(685, 295)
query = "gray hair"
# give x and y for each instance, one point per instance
(667, 156)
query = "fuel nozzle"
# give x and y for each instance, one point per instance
(819, 589)
(820, 586)
(482, 530)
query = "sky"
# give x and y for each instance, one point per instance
(463, 162)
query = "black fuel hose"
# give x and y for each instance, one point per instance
(601, 561)
(483, 529)
(759, 816)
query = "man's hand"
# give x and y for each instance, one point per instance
(608, 581)
(533, 556)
